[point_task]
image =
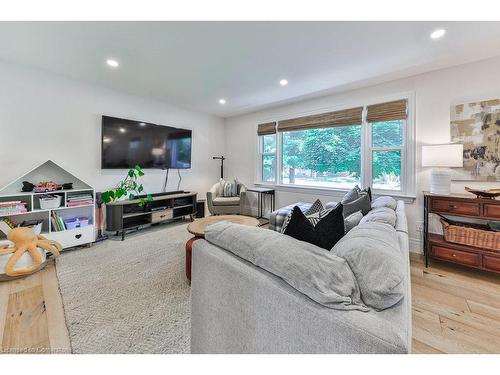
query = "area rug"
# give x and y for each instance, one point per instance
(130, 296)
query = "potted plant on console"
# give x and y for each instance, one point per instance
(128, 186)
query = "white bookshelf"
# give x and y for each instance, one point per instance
(50, 171)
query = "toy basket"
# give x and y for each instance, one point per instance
(49, 202)
(76, 222)
(475, 235)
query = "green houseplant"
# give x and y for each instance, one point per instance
(130, 187)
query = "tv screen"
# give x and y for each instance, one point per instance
(127, 143)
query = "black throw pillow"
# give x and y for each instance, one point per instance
(327, 232)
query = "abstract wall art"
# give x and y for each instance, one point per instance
(477, 126)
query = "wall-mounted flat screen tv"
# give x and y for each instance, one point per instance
(127, 143)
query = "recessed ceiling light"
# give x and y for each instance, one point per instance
(112, 63)
(438, 33)
(106, 140)
(222, 101)
(283, 82)
(142, 123)
(122, 130)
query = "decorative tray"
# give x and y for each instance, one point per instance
(489, 193)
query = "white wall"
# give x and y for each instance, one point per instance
(434, 92)
(45, 116)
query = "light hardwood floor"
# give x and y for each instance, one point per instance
(32, 315)
(455, 310)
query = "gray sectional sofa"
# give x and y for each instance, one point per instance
(244, 302)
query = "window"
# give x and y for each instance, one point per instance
(268, 157)
(327, 157)
(365, 146)
(387, 151)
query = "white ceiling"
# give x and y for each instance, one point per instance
(193, 64)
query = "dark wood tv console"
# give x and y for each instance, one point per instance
(466, 207)
(127, 214)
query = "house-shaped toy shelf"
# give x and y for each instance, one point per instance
(71, 223)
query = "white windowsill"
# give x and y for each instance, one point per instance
(334, 192)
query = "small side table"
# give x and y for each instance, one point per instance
(261, 194)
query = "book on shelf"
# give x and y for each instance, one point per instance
(61, 223)
(54, 227)
(76, 204)
(6, 225)
(57, 222)
(79, 200)
(80, 196)
(10, 203)
(12, 207)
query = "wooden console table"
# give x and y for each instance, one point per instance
(465, 206)
(129, 214)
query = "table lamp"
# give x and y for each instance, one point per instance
(441, 158)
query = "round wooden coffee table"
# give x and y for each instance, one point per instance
(197, 228)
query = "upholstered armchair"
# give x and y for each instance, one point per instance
(218, 205)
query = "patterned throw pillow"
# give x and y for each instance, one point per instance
(286, 221)
(228, 188)
(316, 207)
(315, 218)
(311, 211)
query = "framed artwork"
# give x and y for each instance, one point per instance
(477, 126)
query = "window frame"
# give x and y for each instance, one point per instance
(407, 148)
(262, 154)
(370, 149)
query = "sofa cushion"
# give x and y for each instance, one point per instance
(226, 201)
(327, 231)
(354, 193)
(323, 277)
(384, 201)
(351, 195)
(362, 203)
(381, 215)
(372, 251)
(352, 220)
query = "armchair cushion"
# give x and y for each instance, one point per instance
(226, 201)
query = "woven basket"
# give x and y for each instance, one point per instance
(470, 236)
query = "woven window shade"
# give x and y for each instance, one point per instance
(396, 110)
(324, 120)
(267, 128)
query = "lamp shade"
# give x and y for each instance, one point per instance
(446, 156)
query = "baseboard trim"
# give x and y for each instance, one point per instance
(416, 246)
